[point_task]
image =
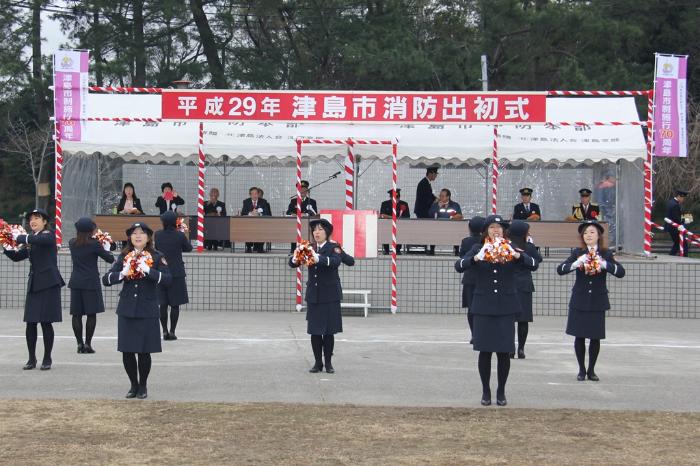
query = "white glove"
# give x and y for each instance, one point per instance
(686, 221)
(143, 267)
(579, 262)
(107, 246)
(603, 264)
(122, 274)
(482, 252)
(315, 256)
(15, 235)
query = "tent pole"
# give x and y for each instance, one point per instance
(299, 276)
(200, 191)
(58, 173)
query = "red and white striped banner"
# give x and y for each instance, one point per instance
(350, 176)
(596, 93)
(200, 191)
(355, 230)
(126, 90)
(648, 173)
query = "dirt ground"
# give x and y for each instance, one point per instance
(145, 432)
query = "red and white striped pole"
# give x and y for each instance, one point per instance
(394, 179)
(299, 276)
(648, 174)
(200, 191)
(58, 170)
(350, 176)
(494, 172)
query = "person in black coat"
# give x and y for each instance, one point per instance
(169, 200)
(584, 210)
(85, 289)
(323, 295)
(495, 304)
(129, 204)
(518, 234)
(476, 225)
(255, 206)
(526, 210)
(673, 212)
(43, 303)
(172, 244)
(425, 198)
(308, 206)
(402, 211)
(214, 208)
(589, 295)
(137, 310)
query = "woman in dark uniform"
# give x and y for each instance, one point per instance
(518, 232)
(138, 305)
(323, 295)
(43, 304)
(494, 305)
(172, 244)
(85, 289)
(589, 295)
(476, 224)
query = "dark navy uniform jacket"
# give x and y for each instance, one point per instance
(673, 212)
(172, 244)
(139, 298)
(305, 203)
(402, 210)
(469, 277)
(85, 275)
(210, 208)
(521, 213)
(592, 213)
(43, 259)
(424, 199)
(523, 275)
(260, 204)
(323, 285)
(162, 204)
(495, 290)
(590, 292)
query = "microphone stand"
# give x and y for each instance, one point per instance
(332, 177)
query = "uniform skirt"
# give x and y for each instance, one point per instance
(467, 296)
(525, 299)
(43, 306)
(494, 334)
(175, 294)
(324, 319)
(586, 324)
(138, 335)
(86, 302)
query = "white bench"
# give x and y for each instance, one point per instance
(363, 305)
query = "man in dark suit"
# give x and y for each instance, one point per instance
(255, 206)
(402, 211)
(585, 210)
(425, 197)
(308, 206)
(526, 210)
(215, 208)
(673, 212)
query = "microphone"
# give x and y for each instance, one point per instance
(334, 175)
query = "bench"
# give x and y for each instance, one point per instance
(363, 305)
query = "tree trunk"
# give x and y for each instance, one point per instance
(97, 45)
(216, 69)
(139, 46)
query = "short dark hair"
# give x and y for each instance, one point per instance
(167, 184)
(446, 191)
(254, 188)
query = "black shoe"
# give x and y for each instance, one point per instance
(31, 364)
(512, 355)
(329, 368)
(501, 400)
(486, 399)
(172, 337)
(87, 349)
(166, 336)
(45, 365)
(132, 392)
(592, 376)
(581, 376)
(521, 353)
(318, 367)
(142, 393)
(81, 348)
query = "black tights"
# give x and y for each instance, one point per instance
(322, 345)
(485, 372)
(90, 324)
(523, 327)
(593, 351)
(32, 334)
(138, 373)
(174, 316)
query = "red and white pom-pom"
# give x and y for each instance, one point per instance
(182, 226)
(103, 237)
(7, 231)
(131, 264)
(304, 254)
(498, 251)
(591, 265)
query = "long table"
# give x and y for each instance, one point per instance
(284, 230)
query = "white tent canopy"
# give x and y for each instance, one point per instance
(458, 144)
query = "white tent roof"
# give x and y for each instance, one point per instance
(459, 144)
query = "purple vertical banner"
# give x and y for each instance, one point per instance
(70, 92)
(670, 109)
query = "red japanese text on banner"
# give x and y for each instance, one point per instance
(670, 113)
(355, 106)
(70, 82)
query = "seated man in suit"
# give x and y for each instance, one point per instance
(526, 210)
(213, 208)
(585, 210)
(308, 205)
(402, 211)
(255, 206)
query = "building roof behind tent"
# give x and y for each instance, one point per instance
(458, 144)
